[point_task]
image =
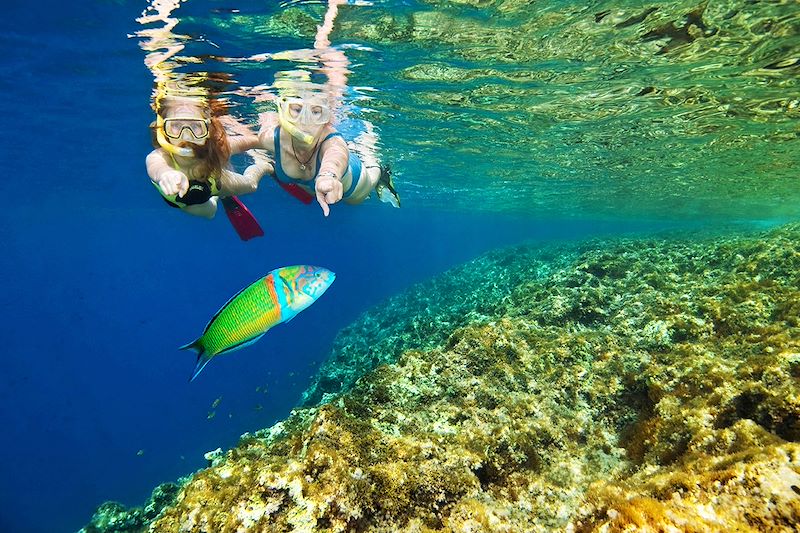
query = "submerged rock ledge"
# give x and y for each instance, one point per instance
(627, 385)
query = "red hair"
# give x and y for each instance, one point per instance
(216, 152)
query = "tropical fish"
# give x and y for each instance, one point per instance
(250, 313)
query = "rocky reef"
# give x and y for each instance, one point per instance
(115, 517)
(625, 385)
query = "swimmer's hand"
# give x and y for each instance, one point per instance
(173, 182)
(329, 191)
(258, 170)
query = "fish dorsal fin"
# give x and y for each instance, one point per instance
(232, 298)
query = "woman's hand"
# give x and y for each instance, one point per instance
(173, 182)
(329, 191)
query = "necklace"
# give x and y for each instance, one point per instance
(304, 163)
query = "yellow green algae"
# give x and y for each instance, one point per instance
(114, 517)
(633, 385)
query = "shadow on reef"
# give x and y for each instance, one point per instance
(614, 386)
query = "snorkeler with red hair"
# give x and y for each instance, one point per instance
(190, 165)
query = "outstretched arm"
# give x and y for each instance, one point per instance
(333, 166)
(233, 183)
(246, 182)
(174, 183)
(170, 181)
(243, 143)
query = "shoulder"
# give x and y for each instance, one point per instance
(156, 153)
(266, 133)
(157, 157)
(332, 138)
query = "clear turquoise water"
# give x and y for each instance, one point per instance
(585, 109)
(504, 121)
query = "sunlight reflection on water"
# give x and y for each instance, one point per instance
(661, 110)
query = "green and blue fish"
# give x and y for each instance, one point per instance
(245, 318)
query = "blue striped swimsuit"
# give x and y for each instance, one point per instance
(355, 166)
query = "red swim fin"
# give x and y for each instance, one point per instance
(241, 218)
(296, 191)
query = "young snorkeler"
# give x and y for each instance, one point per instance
(190, 165)
(310, 154)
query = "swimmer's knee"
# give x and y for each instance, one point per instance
(205, 210)
(373, 175)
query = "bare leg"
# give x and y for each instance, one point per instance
(206, 210)
(366, 146)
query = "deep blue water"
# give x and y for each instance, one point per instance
(102, 282)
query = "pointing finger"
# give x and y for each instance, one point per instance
(322, 203)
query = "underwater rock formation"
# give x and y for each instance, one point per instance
(630, 385)
(115, 517)
(424, 316)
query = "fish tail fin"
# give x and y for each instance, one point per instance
(202, 357)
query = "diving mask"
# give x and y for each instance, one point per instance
(167, 144)
(304, 111)
(197, 128)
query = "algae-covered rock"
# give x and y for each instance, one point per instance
(629, 385)
(113, 517)
(425, 315)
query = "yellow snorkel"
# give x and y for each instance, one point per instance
(289, 126)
